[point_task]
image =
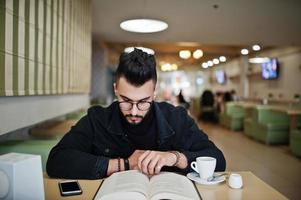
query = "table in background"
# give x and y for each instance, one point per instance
(254, 188)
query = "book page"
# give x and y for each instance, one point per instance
(130, 185)
(168, 185)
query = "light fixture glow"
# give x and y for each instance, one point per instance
(204, 65)
(222, 59)
(215, 61)
(258, 60)
(185, 54)
(198, 54)
(144, 49)
(256, 47)
(244, 51)
(169, 67)
(210, 63)
(143, 25)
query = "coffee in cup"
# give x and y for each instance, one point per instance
(204, 166)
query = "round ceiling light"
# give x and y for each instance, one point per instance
(244, 51)
(185, 54)
(198, 54)
(143, 25)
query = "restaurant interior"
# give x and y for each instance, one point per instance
(234, 65)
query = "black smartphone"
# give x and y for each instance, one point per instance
(68, 188)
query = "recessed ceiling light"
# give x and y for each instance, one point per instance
(222, 59)
(256, 47)
(215, 61)
(185, 54)
(258, 60)
(244, 51)
(197, 54)
(143, 25)
(210, 63)
(204, 65)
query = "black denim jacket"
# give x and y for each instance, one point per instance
(84, 152)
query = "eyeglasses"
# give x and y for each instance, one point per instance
(141, 105)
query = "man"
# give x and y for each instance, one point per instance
(134, 132)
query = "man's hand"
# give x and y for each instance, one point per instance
(151, 162)
(133, 159)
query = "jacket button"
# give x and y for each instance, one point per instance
(107, 150)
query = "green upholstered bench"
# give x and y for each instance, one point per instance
(77, 115)
(38, 147)
(295, 138)
(233, 116)
(248, 121)
(295, 141)
(270, 126)
(51, 129)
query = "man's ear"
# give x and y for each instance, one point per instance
(115, 89)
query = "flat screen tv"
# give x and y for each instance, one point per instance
(270, 69)
(220, 76)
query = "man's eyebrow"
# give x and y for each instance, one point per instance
(128, 99)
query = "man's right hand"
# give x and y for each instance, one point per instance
(133, 159)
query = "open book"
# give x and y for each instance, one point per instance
(132, 184)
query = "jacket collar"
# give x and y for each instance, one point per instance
(115, 127)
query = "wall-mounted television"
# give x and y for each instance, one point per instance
(220, 76)
(270, 69)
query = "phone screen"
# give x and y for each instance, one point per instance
(70, 188)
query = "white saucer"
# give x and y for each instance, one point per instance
(195, 177)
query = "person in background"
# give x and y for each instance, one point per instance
(234, 95)
(182, 101)
(134, 132)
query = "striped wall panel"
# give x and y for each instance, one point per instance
(45, 47)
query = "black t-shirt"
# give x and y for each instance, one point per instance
(143, 135)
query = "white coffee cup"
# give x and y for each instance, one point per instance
(204, 166)
(235, 181)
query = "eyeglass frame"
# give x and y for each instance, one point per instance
(135, 103)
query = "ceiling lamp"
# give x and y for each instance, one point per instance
(204, 65)
(215, 61)
(144, 49)
(143, 25)
(197, 54)
(222, 59)
(244, 51)
(256, 47)
(185, 54)
(259, 60)
(210, 63)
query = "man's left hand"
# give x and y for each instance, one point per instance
(151, 162)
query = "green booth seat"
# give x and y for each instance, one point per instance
(233, 116)
(295, 138)
(295, 141)
(77, 115)
(270, 126)
(37, 147)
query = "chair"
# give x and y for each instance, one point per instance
(207, 110)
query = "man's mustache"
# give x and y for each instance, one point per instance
(137, 116)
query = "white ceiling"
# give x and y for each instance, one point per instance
(234, 22)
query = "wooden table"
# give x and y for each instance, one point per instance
(254, 188)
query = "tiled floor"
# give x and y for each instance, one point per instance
(273, 164)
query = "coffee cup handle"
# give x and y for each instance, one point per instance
(193, 166)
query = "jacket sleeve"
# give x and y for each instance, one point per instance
(72, 157)
(195, 143)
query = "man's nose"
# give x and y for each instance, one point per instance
(134, 110)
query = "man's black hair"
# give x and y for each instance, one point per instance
(137, 67)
